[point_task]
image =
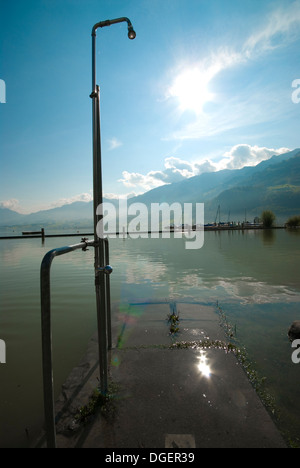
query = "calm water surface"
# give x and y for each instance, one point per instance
(254, 275)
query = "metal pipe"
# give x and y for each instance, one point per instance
(100, 289)
(101, 284)
(47, 336)
(108, 304)
(102, 24)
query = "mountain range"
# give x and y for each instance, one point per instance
(273, 184)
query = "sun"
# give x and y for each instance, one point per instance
(191, 89)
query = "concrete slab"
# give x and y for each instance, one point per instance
(163, 392)
(148, 324)
(167, 397)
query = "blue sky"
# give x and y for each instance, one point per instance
(206, 85)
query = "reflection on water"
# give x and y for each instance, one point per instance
(203, 366)
(254, 275)
(230, 265)
(269, 236)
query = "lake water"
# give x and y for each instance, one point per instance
(254, 276)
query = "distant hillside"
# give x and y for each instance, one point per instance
(273, 184)
(77, 211)
(208, 186)
(9, 217)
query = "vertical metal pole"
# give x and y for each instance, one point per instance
(47, 353)
(108, 304)
(101, 283)
(98, 237)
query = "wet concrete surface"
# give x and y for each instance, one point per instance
(166, 397)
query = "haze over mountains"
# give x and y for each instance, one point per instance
(273, 184)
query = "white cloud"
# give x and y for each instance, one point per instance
(179, 164)
(11, 204)
(83, 197)
(245, 155)
(113, 144)
(115, 196)
(145, 182)
(205, 166)
(177, 169)
(281, 27)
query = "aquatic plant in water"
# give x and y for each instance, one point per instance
(173, 320)
(97, 401)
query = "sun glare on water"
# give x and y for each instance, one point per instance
(203, 367)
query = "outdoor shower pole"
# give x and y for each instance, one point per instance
(100, 282)
(99, 246)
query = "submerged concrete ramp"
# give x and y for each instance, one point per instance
(168, 392)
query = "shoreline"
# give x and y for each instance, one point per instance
(120, 234)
